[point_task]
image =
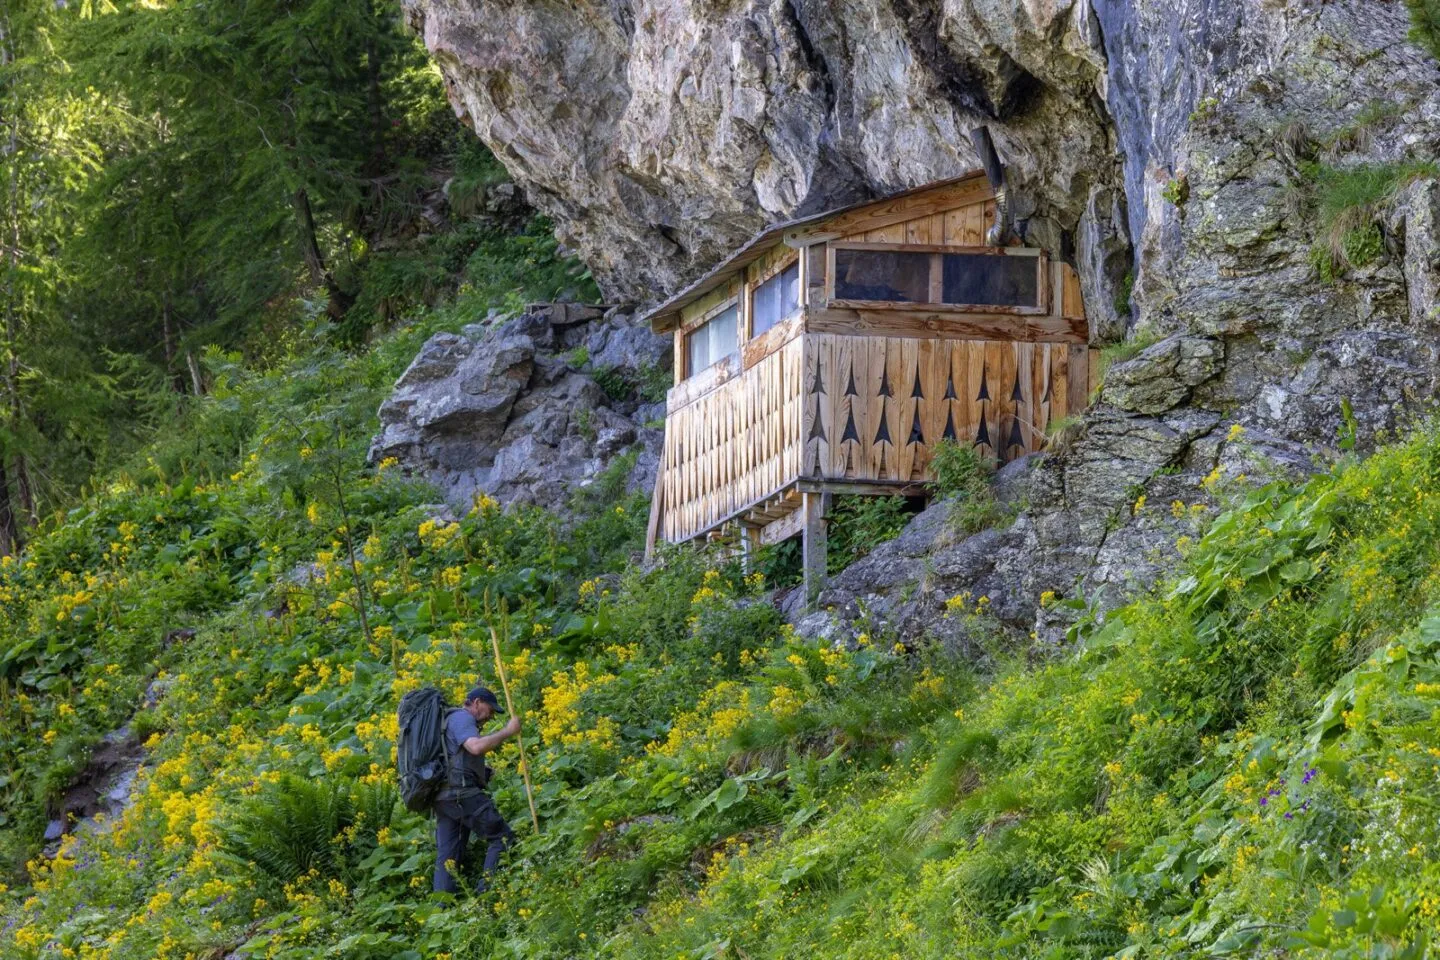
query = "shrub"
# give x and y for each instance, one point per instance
(963, 475)
(858, 524)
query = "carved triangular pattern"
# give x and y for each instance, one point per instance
(817, 429)
(1015, 439)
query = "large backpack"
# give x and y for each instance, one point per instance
(420, 752)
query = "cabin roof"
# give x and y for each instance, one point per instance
(666, 316)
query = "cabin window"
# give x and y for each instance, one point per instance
(712, 341)
(775, 299)
(959, 279)
(882, 275)
(985, 278)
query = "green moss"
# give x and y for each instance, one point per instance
(1177, 190)
(1205, 110)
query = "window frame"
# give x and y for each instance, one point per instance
(687, 330)
(938, 250)
(751, 286)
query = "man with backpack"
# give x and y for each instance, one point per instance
(463, 806)
(441, 770)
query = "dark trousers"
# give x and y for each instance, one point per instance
(457, 818)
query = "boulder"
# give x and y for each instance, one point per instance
(1162, 376)
(500, 409)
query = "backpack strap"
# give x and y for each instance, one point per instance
(455, 760)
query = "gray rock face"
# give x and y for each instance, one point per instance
(502, 410)
(659, 135)
(1162, 376)
(1171, 144)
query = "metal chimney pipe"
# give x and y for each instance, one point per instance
(999, 231)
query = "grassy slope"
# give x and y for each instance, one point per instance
(1246, 759)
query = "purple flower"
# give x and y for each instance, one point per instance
(1265, 800)
(1310, 775)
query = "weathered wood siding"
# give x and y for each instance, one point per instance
(962, 226)
(731, 447)
(876, 406)
(850, 392)
(869, 409)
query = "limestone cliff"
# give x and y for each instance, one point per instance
(1182, 146)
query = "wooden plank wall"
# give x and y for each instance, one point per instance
(733, 446)
(875, 406)
(962, 226)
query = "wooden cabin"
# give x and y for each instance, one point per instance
(829, 354)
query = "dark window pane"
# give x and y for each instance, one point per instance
(992, 279)
(775, 299)
(882, 275)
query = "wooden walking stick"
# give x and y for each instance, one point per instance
(519, 741)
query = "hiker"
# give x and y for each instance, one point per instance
(463, 806)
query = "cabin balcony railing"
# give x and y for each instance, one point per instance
(797, 407)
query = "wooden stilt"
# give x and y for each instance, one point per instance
(749, 546)
(814, 507)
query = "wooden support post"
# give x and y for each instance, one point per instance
(749, 546)
(657, 509)
(814, 507)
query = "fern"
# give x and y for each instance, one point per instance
(290, 830)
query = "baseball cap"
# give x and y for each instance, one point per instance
(484, 695)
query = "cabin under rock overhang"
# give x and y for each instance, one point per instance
(829, 355)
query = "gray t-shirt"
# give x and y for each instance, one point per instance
(459, 727)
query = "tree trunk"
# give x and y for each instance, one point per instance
(25, 492)
(9, 526)
(9, 531)
(374, 95)
(340, 301)
(177, 376)
(196, 380)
